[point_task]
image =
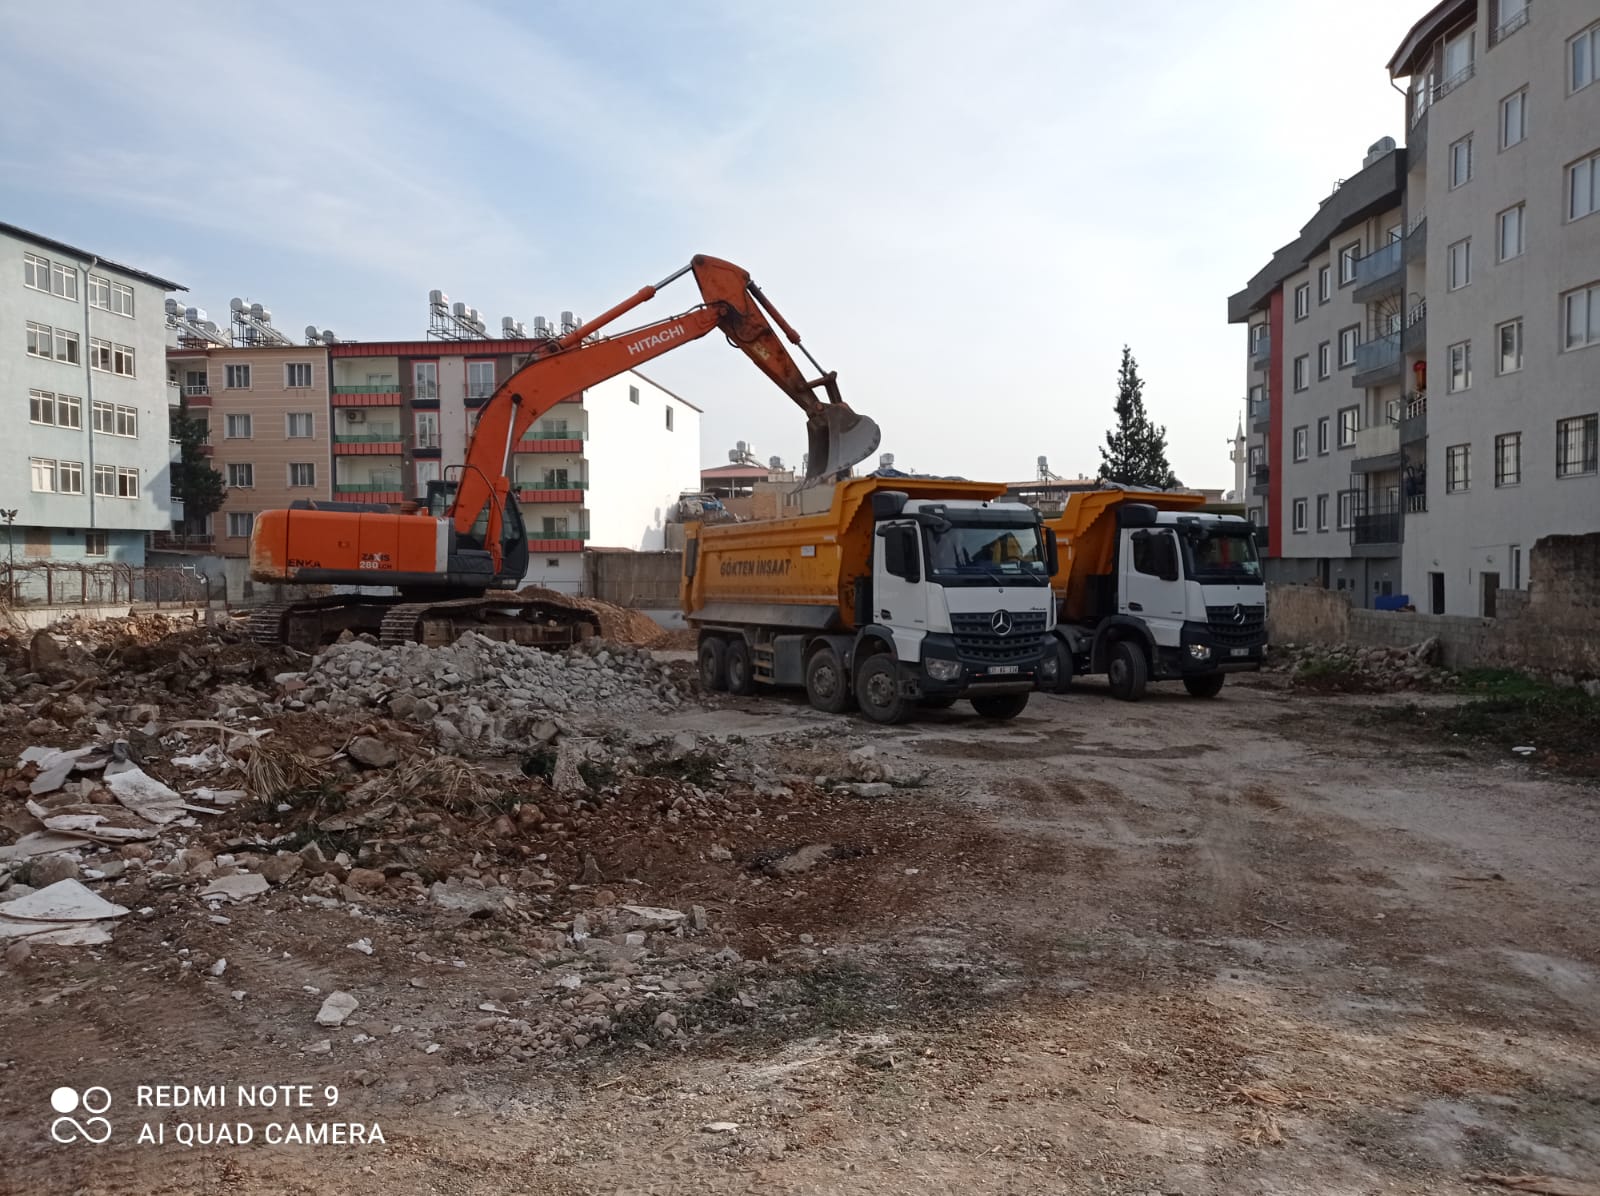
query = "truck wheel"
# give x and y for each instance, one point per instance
(878, 690)
(1208, 686)
(741, 674)
(713, 664)
(1128, 672)
(1000, 706)
(1063, 681)
(826, 687)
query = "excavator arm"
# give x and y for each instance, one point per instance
(837, 437)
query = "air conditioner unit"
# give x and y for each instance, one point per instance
(355, 417)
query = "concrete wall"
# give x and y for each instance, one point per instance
(1552, 628)
(641, 579)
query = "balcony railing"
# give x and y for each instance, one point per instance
(427, 440)
(539, 537)
(389, 389)
(391, 436)
(1413, 418)
(1261, 348)
(1510, 24)
(1380, 264)
(551, 486)
(1416, 504)
(1260, 414)
(425, 390)
(1377, 524)
(1380, 440)
(1446, 86)
(1261, 475)
(368, 487)
(545, 433)
(1375, 358)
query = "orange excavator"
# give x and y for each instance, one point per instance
(456, 566)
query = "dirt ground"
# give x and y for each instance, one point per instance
(1264, 944)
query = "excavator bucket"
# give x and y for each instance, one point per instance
(837, 439)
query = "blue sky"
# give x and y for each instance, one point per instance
(966, 211)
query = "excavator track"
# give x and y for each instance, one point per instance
(522, 619)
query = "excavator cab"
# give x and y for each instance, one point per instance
(513, 533)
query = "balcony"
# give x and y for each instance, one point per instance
(382, 443)
(1259, 477)
(1377, 448)
(1260, 415)
(1446, 86)
(1417, 134)
(1380, 273)
(366, 396)
(565, 493)
(1377, 530)
(1509, 24)
(1413, 418)
(1377, 361)
(552, 440)
(1261, 348)
(181, 542)
(1414, 339)
(557, 541)
(1417, 238)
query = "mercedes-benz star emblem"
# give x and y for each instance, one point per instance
(1001, 622)
(1238, 614)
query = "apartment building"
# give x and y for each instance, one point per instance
(267, 414)
(88, 472)
(603, 467)
(1468, 242)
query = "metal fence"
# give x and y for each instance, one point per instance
(71, 583)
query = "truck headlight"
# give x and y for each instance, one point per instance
(1199, 652)
(944, 670)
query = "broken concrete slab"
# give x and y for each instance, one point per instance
(144, 795)
(64, 901)
(241, 886)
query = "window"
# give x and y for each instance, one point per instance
(104, 416)
(114, 297)
(633, 395)
(1513, 118)
(41, 407)
(96, 543)
(99, 292)
(63, 280)
(1254, 515)
(1582, 51)
(1460, 367)
(1512, 15)
(552, 562)
(1349, 338)
(1515, 553)
(1511, 232)
(99, 355)
(241, 475)
(195, 382)
(237, 377)
(669, 418)
(1324, 284)
(1457, 61)
(1457, 468)
(296, 375)
(1509, 335)
(239, 524)
(1348, 256)
(1347, 509)
(1299, 516)
(1349, 425)
(555, 525)
(555, 479)
(1461, 162)
(121, 300)
(127, 483)
(61, 411)
(1258, 338)
(1577, 446)
(302, 425)
(1324, 360)
(1155, 554)
(1322, 512)
(1322, 436)
(425, 379)
(1582, 316)
(67, 346)
(1461, 264)
(427, 429)
(302, 473)
(1583, 187)
(427, 471)
(40, 341)
(1302, 301)
(1302, 438)
(69, 477)
(105, 481)
(1508, 459)
(1302, 372)
(35, 272)
(237, 427)
(480, 379)
(44, 475)
(127, 421)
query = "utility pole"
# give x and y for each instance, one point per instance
(10, 516)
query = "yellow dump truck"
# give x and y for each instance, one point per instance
(906, 591)
(1151, 588)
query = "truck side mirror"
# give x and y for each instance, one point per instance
(1052, 554)
(900, 553)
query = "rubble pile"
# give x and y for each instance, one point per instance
(481, 689)
(1353, 669)
(618, 624)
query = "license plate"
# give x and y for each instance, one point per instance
(1003, 668)
(1241, 652)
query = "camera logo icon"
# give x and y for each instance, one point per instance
(94, 1101)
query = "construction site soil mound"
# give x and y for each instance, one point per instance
(619, 624)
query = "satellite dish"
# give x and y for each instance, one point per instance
(311, 332)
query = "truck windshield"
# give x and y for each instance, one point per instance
(1222, 556)
(985, 554)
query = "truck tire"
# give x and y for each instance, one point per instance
(826, 686)
(1128, 671)
(1208, 686)
(1001, 706)
(713, 660)
(740, 670)
(1063, 681)
(878, 690)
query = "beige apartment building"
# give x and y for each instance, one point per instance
(1455, 284)
(267, 410)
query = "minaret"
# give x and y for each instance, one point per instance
(1238, 455)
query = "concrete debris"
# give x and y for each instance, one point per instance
(1356, 669)
(654, 917)
(64, 914)
(721, 1127)
(362, 945)
(241, 886)
(801, 859)
(371, 752)
(337, 1007)
(453, 895)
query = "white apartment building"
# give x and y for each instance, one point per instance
(83, 362)
(1455, 285)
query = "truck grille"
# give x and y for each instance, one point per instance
(977, 643)
(1226, 629)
